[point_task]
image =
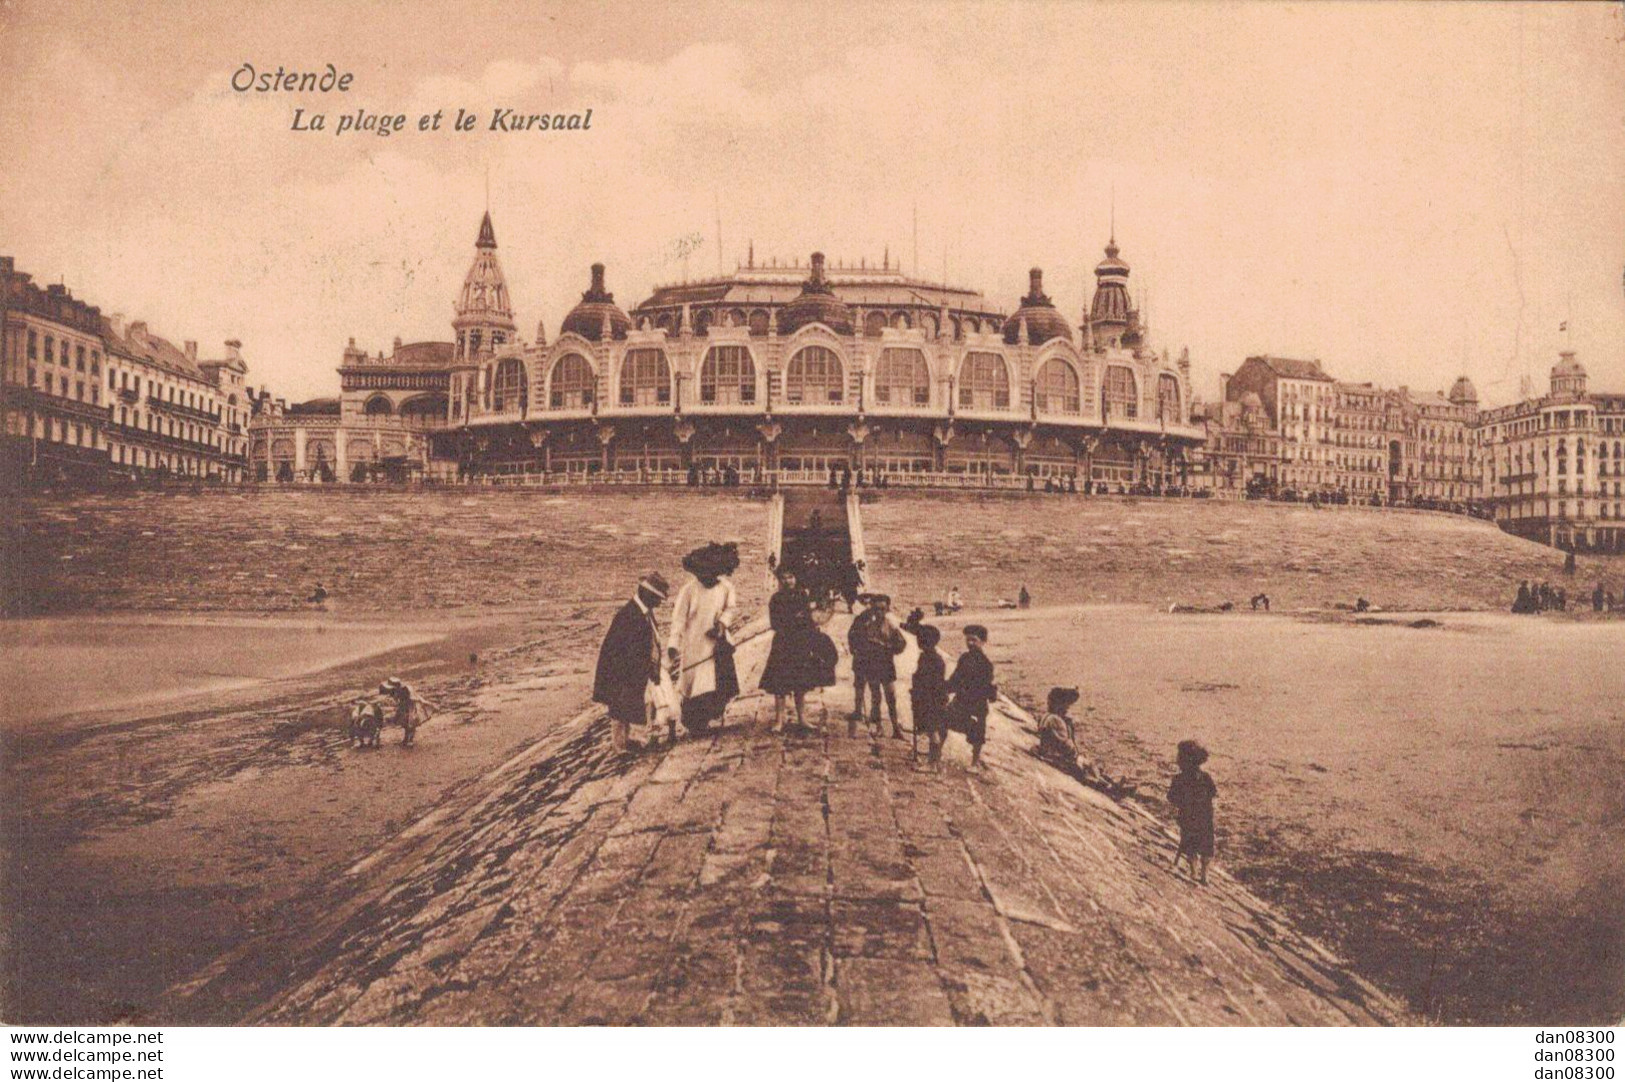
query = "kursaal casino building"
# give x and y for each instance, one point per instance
(777, 371)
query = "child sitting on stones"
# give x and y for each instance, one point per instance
(1057, 738)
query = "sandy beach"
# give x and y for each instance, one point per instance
(1440, 803)
(1437, 803)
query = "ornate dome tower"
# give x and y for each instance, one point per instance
(1111, 314)
(1463, 393)
(596, 310)
(1043, 321)
(484, 320)
(816, 303)
(1568, 376)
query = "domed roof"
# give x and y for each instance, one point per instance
(1567, 365)
(587, 318)
(816, 303)
(1044, 322)
(1111, 264)
(1463, 391)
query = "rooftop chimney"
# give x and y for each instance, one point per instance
(597, 277)
(191, 350)
(818, 268)
(1035, 281)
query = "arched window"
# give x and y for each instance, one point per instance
(572, 385)
(928, 323)
(425, 406)
(702, 321)
(902, 378)
(813, 377)
(901, 321)
(645, 378)
(873, 324)
(1120, 396)
(509, 390)
(378, 406)
(728, 376)
(984, 382)
(1168, 397)
(759, 320)
(1057, 389)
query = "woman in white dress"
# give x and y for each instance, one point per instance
(698, 649)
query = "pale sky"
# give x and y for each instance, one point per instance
(1407, 192)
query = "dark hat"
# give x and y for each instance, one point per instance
(976, 631)
(1191, 753)
(712, 559)
(1061, 698)
(655, 583)
(927, 636)
(871, 598)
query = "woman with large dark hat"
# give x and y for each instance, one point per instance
(802, 657)
(698, 650)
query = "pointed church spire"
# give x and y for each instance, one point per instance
(484, 320)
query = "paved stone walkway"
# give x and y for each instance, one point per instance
(748, 878)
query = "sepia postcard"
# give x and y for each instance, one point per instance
(813, 513)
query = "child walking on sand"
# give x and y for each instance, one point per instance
(1192, 794)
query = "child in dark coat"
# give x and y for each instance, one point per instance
(973, 688)
(1192, 794)
(928, 694)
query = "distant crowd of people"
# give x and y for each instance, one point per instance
(1544, 597)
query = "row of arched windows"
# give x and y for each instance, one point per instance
(816, 375)
(423, 405)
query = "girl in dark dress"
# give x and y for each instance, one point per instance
(1192, 795)
(795, 662)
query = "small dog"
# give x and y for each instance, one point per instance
(366, 724)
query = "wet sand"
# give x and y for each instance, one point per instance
(141, 842)
(72, 665)
(143, 837)
(1445, 805)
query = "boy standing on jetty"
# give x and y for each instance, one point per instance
(1192, 794)
(973, 688)
(928, 694)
